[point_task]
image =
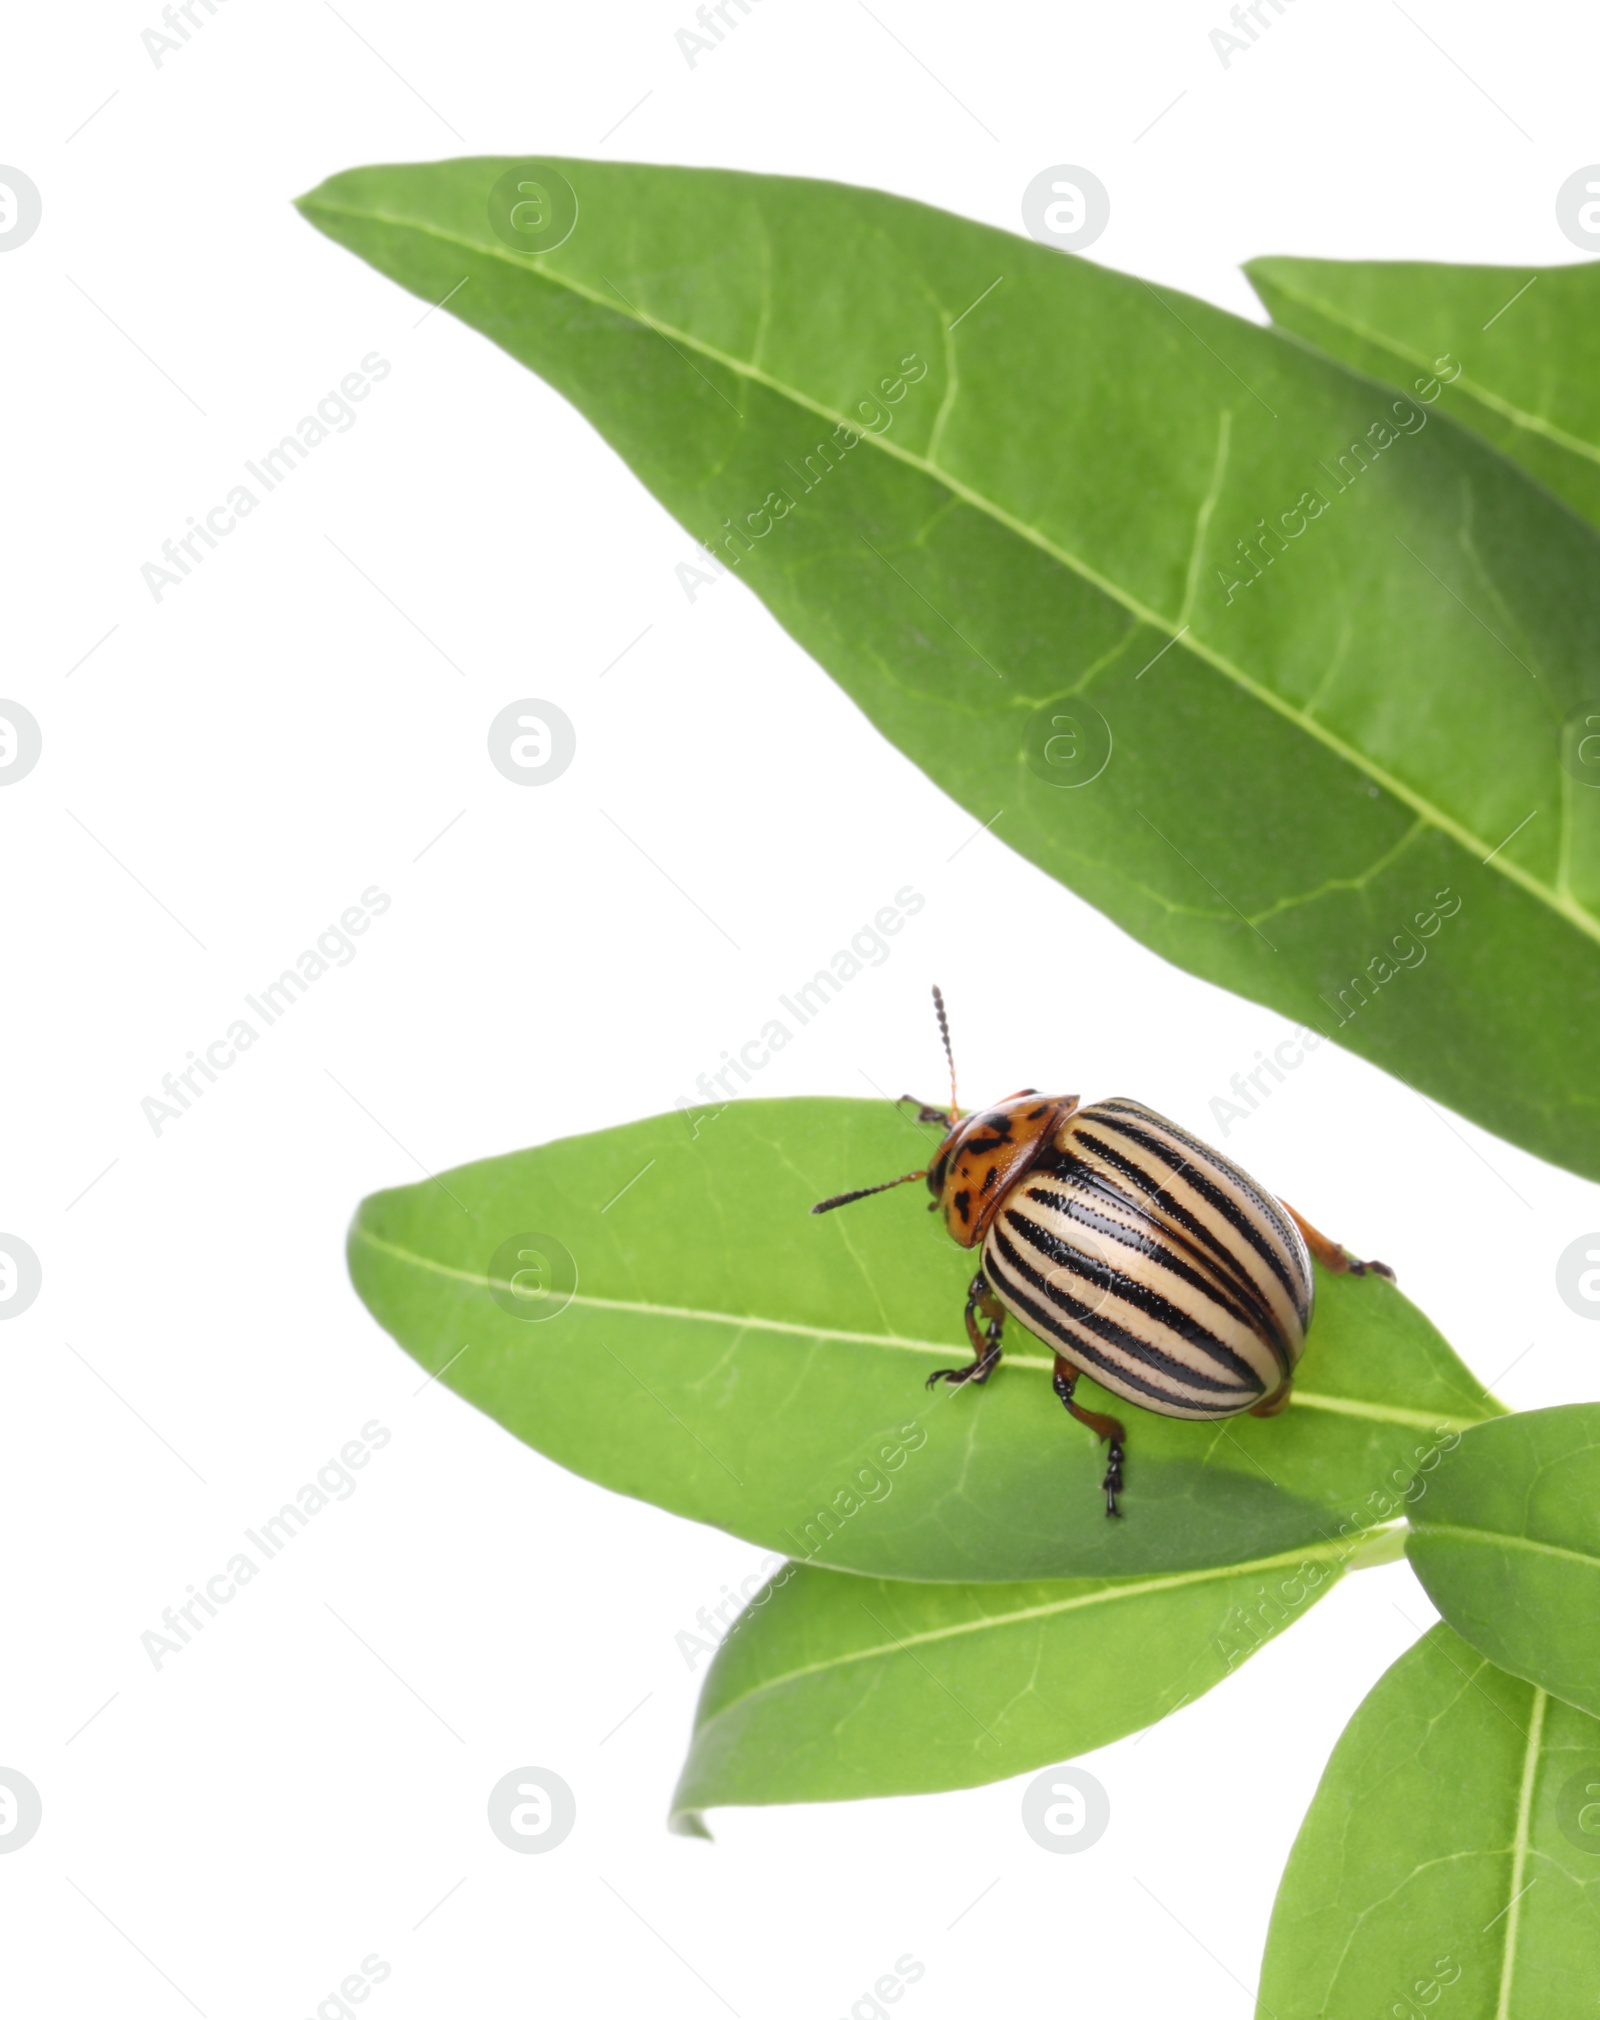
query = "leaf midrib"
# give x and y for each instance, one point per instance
(1486, 854)
(1382, 1413)
(1519, 1860)
(1535, 424)
(1049, 1610)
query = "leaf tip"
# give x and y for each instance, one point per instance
(306, 202)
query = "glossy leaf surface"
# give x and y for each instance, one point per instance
(1450, 1861)
(735, 1358)
(1275, 668)
(1507, 1541)
(832, 1687)
(1515, 350)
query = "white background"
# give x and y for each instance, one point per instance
(228, 769)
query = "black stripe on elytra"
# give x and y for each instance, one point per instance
(1271, 1210)
(1220, 1261)
(1180, 1167)
(1239, 1215)
(1148, 1239)
(1083, 1352)
(1129, 1290)
(1145, 1352)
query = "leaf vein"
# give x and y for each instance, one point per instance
(1457, 830)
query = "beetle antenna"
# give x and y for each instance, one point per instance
(944, 1033)
(866, 1192)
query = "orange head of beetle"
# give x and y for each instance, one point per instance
(985, 1154)
(982, 1156)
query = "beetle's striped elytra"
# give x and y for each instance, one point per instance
(1136, 1251)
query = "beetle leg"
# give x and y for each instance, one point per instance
(925, 1113)
(985, 1345)
(981, 1299)
(1105, 1428)
(1331, 1255)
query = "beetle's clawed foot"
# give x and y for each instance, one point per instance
(1107, 1429)
(925, 1112)
(975, 1371)
(1334, 1256)
(1112, 1483)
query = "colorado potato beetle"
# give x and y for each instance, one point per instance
(1129, 1247)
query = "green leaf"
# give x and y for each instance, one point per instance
(734, 1358)
(1514, 346)
(1001, 494)
(831, 1687)
(1506, 1537)
(1450, 1861)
